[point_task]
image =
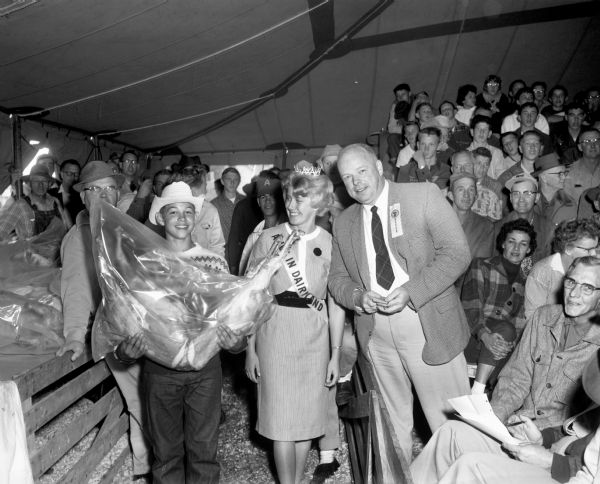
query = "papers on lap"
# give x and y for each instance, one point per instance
(477, 411)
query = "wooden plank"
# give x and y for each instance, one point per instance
(110, 475)
(102, 444)
(55, 402)
(35, 379)
(43, 458)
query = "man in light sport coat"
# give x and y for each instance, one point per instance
(411, 327)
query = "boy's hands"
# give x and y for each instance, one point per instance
(132, 348)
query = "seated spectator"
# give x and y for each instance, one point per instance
(555, 112)
(423, 113)
(510, 149)
(418, 99)
(32, 214)
(539, 94)
(328, 159)
(565, 133)
(150, 188)
(398, 118)
(512, 122)
(493, 99)
(481, 131)
(556, 204)
(572, 239)
(230, 197)
(528, 113)
(424, 165)
(478, 230)
(523, 198)
(462, 162)
(513, 91)
(411, 132)
(489, 191)
(592, 99)
(465, 100)
(530, 146)
(444, 152)
(585, 172)
(69, 198)
(459, 453)
(492, 296)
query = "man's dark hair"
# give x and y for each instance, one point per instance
(402, 87)
(483, 151)
(430, 131)
(587, 130)
(519, 225)
(525, 90)
(161, 173)
(528, 105)
(479, 118)
(446, 102)
(558, 87)
(570, 231)
(512, 84)
(70, 161)
(572, 106)
(509, 133)
(539, 83)
(463, 91)
(128, 152)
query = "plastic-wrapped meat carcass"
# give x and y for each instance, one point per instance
(177, 302)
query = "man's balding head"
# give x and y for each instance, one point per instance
(361, 172)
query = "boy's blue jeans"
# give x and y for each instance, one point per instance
(183, 408)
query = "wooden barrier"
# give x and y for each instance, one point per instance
(375, 456)
(48, 385)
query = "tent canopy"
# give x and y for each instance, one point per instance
(239, 75)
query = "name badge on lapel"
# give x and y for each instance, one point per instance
(395, 221)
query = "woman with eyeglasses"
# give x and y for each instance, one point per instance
(493, 99)
(572, 239)
(492, 297)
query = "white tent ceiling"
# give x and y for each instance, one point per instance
(232, 75)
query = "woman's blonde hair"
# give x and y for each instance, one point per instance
(318, 188)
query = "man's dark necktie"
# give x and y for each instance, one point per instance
(383, 265)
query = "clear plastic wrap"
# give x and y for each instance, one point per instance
(176, 301)
(30, 308)
(29, 323)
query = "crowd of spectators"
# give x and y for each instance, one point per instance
(520, 173)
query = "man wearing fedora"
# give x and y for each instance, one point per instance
(81, 295)
(33, 213)
(555, 203)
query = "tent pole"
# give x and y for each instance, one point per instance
(17, 156)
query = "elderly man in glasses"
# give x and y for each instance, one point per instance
(585, 172)
(537, 390)
(524, 196)
(81, 295)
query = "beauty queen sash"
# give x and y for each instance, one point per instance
(297, 277)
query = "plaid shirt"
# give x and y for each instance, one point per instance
(18, 217)
(487, 295)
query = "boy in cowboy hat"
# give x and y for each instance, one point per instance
(183, 407)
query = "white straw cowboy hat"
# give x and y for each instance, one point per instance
(176, 192)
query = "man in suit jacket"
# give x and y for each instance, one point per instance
(411, 326)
